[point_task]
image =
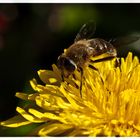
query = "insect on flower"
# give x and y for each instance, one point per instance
(78, 55)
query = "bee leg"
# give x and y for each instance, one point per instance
(117, 62)
(81, 82)
(92, 67)
(62, 75)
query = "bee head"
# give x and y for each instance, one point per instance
(66, 64)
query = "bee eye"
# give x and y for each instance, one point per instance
(69, 65)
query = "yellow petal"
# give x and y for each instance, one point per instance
(26, 96)
(15, 122)
(72, 101)
(22, 95)
(28, 116)
(33, 84)
(54, 129)
(46, 75)
(36, 113)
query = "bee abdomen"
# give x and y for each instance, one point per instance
(101, 46)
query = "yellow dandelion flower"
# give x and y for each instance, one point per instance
(109, 105)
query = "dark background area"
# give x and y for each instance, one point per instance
(32, 36)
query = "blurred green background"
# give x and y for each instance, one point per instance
(32, 36)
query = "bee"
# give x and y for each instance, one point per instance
(78, 55)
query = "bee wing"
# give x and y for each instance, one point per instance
(122, 41)
(86, 31)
